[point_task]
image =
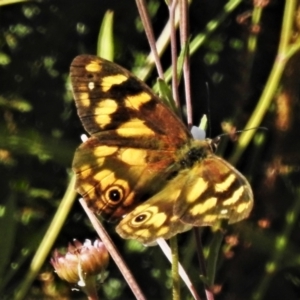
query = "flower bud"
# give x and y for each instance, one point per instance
(81, 261)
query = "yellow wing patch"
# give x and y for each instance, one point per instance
(106, 107)
(236, 196)
(202, 208)
(225, 185)
(93, 66)
(133, 156)
(108, 81)
(103, 151)
(138, 100)
(195, 190)
(84, 99)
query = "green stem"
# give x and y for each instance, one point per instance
(271, 86)
(256, 17)
(175, 274)
(90, 288)
(211, 27)
(48, 240)
(213, 256)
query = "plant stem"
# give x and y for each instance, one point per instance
(175, 275)
(272, 83)
(111, 248)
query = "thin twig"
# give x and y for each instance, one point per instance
(201, 259)
(212, 26)
(199, 247)
(167, 251)
(184, 30)
(142, 8)
(161, 45)
(111, 248)
(172, 9)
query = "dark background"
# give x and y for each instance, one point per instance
(40, 130)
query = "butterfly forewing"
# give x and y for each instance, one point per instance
(109, 98)
(134, 137)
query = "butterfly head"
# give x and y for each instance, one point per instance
(214, 143)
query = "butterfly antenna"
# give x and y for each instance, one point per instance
(241, 131)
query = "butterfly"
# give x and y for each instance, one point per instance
(141, 166)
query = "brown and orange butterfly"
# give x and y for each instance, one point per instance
(141, 163)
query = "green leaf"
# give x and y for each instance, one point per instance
(165, 94)
(180, 60)
(105, 45)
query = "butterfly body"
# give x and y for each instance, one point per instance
(142, 162)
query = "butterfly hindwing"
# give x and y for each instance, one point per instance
(154, 218)
(213, 190)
